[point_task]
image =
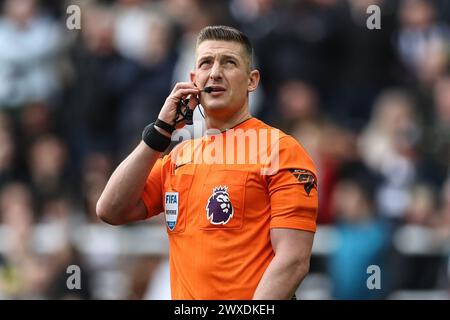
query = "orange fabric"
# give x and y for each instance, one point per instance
(227, 260)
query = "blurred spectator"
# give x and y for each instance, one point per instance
(298, 105)
(335, 148)
(17, 213)
(111, 98)
(367, 62)
(363, 240)
(256, 17)
(30, 45)
(388, 147)
(59, 209)
(49, 167)
(422, 207)
(92, 98)
(141, 31)
(422, 40)
(290, 48)
(36, 119)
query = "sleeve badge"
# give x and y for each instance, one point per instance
(306, 178)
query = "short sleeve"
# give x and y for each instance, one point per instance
(152, 194)
(293, 189)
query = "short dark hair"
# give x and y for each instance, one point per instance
(226, 33)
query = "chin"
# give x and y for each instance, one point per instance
(215, 105)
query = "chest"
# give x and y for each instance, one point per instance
(215, 197)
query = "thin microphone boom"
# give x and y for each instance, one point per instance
(207, 89)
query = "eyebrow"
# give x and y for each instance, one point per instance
(210, 56)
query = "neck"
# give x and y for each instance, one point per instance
(223, 123)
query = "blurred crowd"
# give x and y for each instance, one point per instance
(372, 107)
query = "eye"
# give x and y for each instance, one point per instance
(231, 61)
(204, 63)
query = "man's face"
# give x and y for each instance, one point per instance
(224, 66)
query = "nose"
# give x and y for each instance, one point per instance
(216, 71)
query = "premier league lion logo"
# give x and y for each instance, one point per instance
(219, 209)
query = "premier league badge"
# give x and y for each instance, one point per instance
(171, 209)
(219, 209)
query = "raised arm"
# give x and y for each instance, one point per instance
(120, 201)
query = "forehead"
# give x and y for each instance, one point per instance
(219, 47)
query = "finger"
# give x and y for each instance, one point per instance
(180, 93)
(193, 102)
(183, 85)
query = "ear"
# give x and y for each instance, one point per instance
(253, 80)
(192, 76)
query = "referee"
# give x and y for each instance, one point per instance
(240, 202)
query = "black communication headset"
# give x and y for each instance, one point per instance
(184, 112)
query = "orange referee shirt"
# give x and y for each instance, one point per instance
(220, 205)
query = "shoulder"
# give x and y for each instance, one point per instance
(293, 154)
(290, 151)
(281, 135)
(284, 140)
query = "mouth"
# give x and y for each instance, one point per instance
(214, 88)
